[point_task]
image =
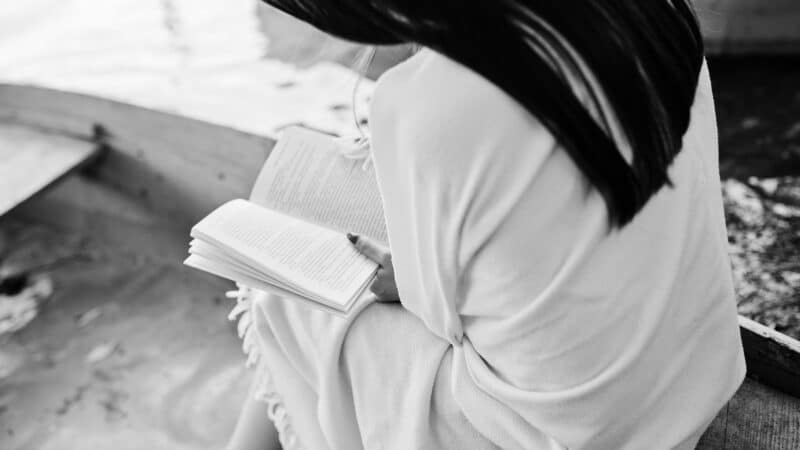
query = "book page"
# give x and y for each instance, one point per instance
(220, 270)
(307, 177)
(303, 256)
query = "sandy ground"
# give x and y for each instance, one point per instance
(129, 353)
(237, 63)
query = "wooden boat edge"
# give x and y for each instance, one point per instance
(773, 358)
(180, 168)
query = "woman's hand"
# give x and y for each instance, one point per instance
(384, 287)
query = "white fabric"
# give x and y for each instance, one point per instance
(525, 323)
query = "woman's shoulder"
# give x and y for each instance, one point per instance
(449, 81)
(431, 93)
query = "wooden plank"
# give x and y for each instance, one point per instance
(772, 357)
(757, 417)
(765, 412)
(31, 161)
(84, 204)
(180, 168)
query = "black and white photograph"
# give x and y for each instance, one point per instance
(400, 225)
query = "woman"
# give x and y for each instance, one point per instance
(558, 248)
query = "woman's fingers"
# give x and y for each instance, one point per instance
(371, 249)
(377, 288)
(384, 286)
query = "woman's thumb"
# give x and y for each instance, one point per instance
(370, 249)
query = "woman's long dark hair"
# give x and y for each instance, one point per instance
(646, 56)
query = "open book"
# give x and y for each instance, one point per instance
(289, 238)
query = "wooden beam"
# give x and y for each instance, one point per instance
(178, 167)
(31, 161)
(772, 357)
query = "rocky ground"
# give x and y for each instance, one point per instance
(758, 109)
(763, 216)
